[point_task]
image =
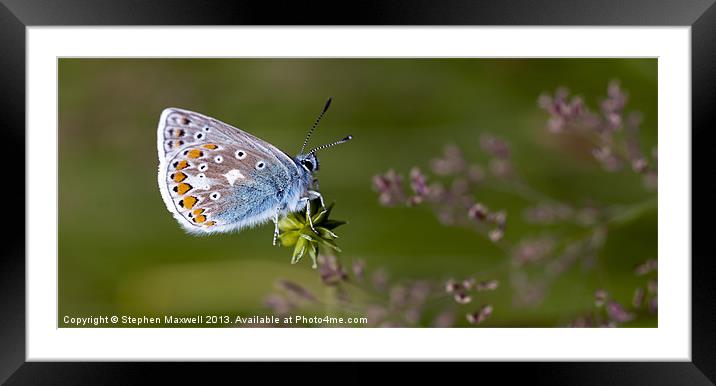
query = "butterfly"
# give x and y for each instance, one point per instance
(214, 177)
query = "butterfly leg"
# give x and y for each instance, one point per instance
(308, 213)
(275, 227)
(319, 195)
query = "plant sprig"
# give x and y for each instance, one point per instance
(295, 231)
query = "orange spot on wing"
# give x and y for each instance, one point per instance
(194, 153)
(179, 133)
(209, 223)
(188, 202)
(182, 188)
(179, 165)
(210, 146)
(200, 218)
(198, 212)
(178, 177)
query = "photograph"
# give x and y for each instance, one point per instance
(357, 192)
(471, 182)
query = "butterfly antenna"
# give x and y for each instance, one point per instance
(315, 124)
(344, 140)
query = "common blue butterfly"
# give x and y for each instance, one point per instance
(214, 177)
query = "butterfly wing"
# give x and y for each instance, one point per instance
(216, 178)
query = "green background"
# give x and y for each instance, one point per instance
(121, 252)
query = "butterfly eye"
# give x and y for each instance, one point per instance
(308, 165)
(215, 196)
(240, 154)
(219, 159)
(260, 165)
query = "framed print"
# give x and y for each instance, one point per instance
(480, 184)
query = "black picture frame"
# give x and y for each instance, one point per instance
(700, 15)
